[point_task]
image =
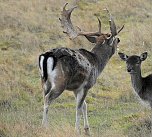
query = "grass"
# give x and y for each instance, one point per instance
(28, 28)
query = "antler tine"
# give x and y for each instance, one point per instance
(99, 25)
(121, 29)
(113, 27)
(65, 6)
(66, 22)
(92, 33)
(112, 24)
(68, 11)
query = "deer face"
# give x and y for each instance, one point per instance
(133, 62)
(105, 42)
(111, 43)
(104, 39)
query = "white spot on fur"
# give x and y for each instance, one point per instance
(41, 65)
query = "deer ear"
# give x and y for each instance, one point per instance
(143, 56)
(123, 56)
(91, 39)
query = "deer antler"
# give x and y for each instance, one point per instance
(69, 28)
(113, 27)
(66, 22)
(98, 33)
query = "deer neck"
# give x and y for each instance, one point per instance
(103, 55)
(137, 82)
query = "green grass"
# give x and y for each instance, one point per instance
(28, 28)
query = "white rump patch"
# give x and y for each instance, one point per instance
(41, 65)
(51, 73)
(50, 62)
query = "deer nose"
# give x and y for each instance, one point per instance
(118, 40)
(129, 69)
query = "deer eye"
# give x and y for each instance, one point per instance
(108, 35)
(138, 63)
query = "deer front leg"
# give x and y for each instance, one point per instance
(77, 123)
(79, 95)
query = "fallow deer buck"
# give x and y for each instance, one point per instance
(142, 85)
(76, 70)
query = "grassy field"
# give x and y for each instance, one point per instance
(30, 27)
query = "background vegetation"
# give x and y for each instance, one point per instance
(30, 27)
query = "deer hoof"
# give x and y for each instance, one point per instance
(87, 131)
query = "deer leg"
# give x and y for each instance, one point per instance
(47, 88)
(45, 112)
(48, 98)
(78, 110)
(85, 116)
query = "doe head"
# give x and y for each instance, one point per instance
(133, 62)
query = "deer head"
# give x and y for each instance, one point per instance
(133, 62)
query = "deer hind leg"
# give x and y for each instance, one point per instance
(81, 108)
(47, 89)
(51, 95)
(85, 116)
(53, 87)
